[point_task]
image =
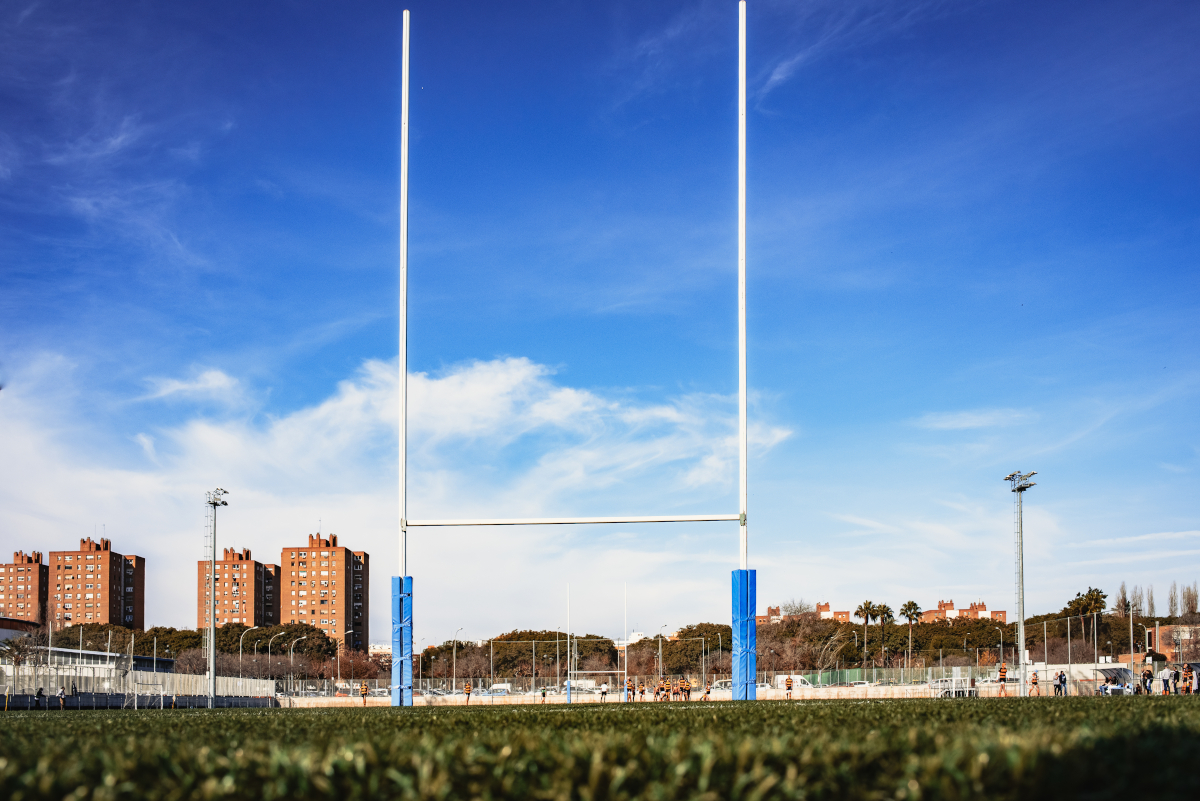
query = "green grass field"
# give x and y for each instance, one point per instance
(1039, 748)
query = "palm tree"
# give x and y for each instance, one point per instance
(885, 615)
(866, 611)
(912, 613)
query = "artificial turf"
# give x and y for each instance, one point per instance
(902, 749)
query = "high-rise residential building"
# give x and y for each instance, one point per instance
(328, 586)
(23, 588)
(247, 591)
(135, 591)
(95, 584)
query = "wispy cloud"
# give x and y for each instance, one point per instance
(822, 27)
(211, 383)
(976, 418)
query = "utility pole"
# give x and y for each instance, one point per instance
(1020, 483)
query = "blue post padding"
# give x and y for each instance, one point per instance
(745, 661)
(402, 689)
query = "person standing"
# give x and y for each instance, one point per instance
(1003, 679)
(641, 690)
(787, 686)
(603, 691)
(707, 690)
(1033, 681)
(1062, 680)
(1175, 681)
(630, 691)
(466, 689)
(1165, 675)
(62, 698)
(363, 691)
(543, 694)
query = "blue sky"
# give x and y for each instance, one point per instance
(973, 241)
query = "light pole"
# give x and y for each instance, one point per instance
(661, 671)
(1020, 483)
(292, 660)
(270, 670)
(213, 499)
(240, 640)
(454, 662)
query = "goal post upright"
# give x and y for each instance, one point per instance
(744, 647)
(401, 683)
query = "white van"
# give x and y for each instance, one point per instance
(798, 683)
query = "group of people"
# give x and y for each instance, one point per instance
(1174, 681)
(666, 690)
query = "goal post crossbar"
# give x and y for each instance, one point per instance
(570, 521)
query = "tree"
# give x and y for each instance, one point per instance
(1084, 604)
(793, 607)
(866, 611)
(912, 613)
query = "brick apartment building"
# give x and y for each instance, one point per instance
(95, 584)
(976, 611)
(328, 586)
(247, 591)
(824, 613)
(24, 590)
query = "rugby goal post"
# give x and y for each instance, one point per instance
(743, 579)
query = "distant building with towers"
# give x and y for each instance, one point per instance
(95, 584)
(247, 591)
(328, 586)
(23, 588)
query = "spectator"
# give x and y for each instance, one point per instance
(37, 698)
(1175, 681)
(1165, 675)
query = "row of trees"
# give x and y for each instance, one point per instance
(1182, 602)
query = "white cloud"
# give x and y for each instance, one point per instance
(487, 438)
(209, 383)
(976, 418)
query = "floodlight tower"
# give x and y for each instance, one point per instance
(1020, 483)
(213, 499)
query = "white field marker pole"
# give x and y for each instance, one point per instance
(743, 443)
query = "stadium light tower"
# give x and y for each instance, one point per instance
(213, 499)
(744, 646)
(1020, 483)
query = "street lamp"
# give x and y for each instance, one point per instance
(1020, 483)
(454, 662)
(292, 660)
(213, 499)
(270, 670)
(240, 640)
(661, 671)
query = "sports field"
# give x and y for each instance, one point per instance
(1037, 748)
